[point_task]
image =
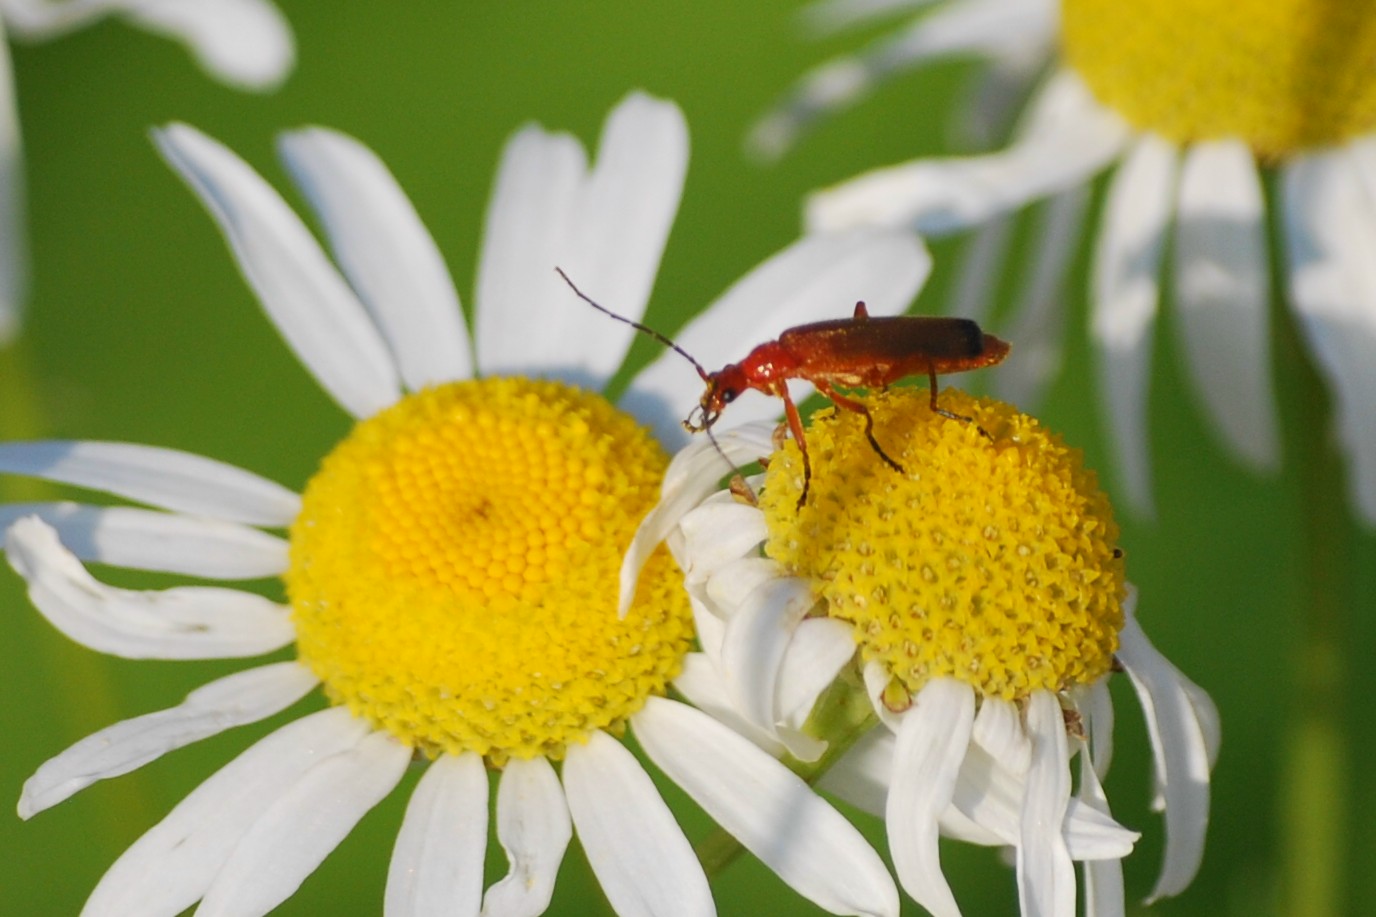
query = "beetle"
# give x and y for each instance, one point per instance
(862, 351)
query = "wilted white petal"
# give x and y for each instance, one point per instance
(636, 849)
(1046, 875)
(188, 622)
(1097, 709)
(998, 730)
(533, 827)
(757, 637)
(437, 863)
(244, 697)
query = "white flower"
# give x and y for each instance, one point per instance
(451, 569)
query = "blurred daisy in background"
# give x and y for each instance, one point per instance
(984, 591)
(452, 569)
(1191, 103)
(246, 44)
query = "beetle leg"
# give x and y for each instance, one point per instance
(858, 407)
(795, 426)
(951, 415)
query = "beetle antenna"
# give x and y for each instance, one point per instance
(643, 329)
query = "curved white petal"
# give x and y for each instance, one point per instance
(768, 808)
(303, 826)
(1097, 709)
(719, 532)
(1329, 201)
(383, 248)
(817, 277)
(188, 622)
(534, 828)
(244, 43)
(302, 293)
(1046, 876)
(1104, 895)
(933, 737)
(998, 730)
(635, 848)
(727, 588)
(756, 639)
(819, 649)
(170, 867)
(1125, 285)
(700, 682)
(1222, 290)
(1066, 139)
(437, 863)
(877, 680)
(141, 539)
(165, 478)
(244, 697)
(14, 232)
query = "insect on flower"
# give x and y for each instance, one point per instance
(856, 352)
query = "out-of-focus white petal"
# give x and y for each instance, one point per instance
(933, 737)
(757, 637)
(1046, 875)
(1329, 201)
(245, 43)
(244, 697)
(142, 539)
(533, 827)
(303, 826)
(826, 17)
(188, 622)
(302, 293)
(1222, 290)
(981, 267)
(636, 849)
(383, 248)
(437, 863)
(768, 808)
(14, 232)
(1125, 285)
(166, 478)
(998, 730)
(817, 277)
(171, 866)
(1067, 137)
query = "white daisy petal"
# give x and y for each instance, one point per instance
(1066, 139)
(1125, 286)
(1097, 709)
(729, 586)
(756, 639)
(998, 730)
(244, 697)
(1104, 895)
(188, 622)
(701, 684)
(1330, 232)
(141, 539)
(981, 269)
(534, 829)
(827, 17)
(390, 259)
(165, 478)
(768, 808)
(171, 866)
(1046, 875)
(244, 43)
(818, 650)
(719, 532)
(877, 679)
(636, 849)
(932, 740)
(311, 305)
(817, 277)
(437, 863)
(304, 825)
(1222, 289)
(14, 255)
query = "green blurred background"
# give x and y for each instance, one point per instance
(142, 330)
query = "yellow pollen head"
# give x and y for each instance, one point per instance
(454, 570)
(1282, 75)
(989, 559)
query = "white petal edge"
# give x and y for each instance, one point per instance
(757, 637)
(1046, 875)
(14, 231)
(636, 849)
(701, 684)
(305, 297)
(534, 828)
(1223, 295)
(389, 257)
(437, 863)
(303, 825)
(719, 532)
(242, 43)
(187, 622)
(141, 539)
(1124, 292)
(170, 867)
(165, 478)
(1104, 896)
(768, 808)
(244, 697)
(998, 730)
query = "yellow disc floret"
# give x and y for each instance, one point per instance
(454, 570)
(1282, 75)
(991, 558)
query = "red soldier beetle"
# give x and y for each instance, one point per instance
(856, 352)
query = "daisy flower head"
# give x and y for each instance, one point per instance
(451, 569)
(977, 598)
(1190, 105)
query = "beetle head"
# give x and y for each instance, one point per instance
(722, 388)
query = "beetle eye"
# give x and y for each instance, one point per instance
(728, 395)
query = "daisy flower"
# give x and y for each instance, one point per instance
(1191, 104)
(451, 570)
(242, 43)
(984, 591)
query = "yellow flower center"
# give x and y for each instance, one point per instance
(454, 570)
(990, 559)
(1282, 75)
